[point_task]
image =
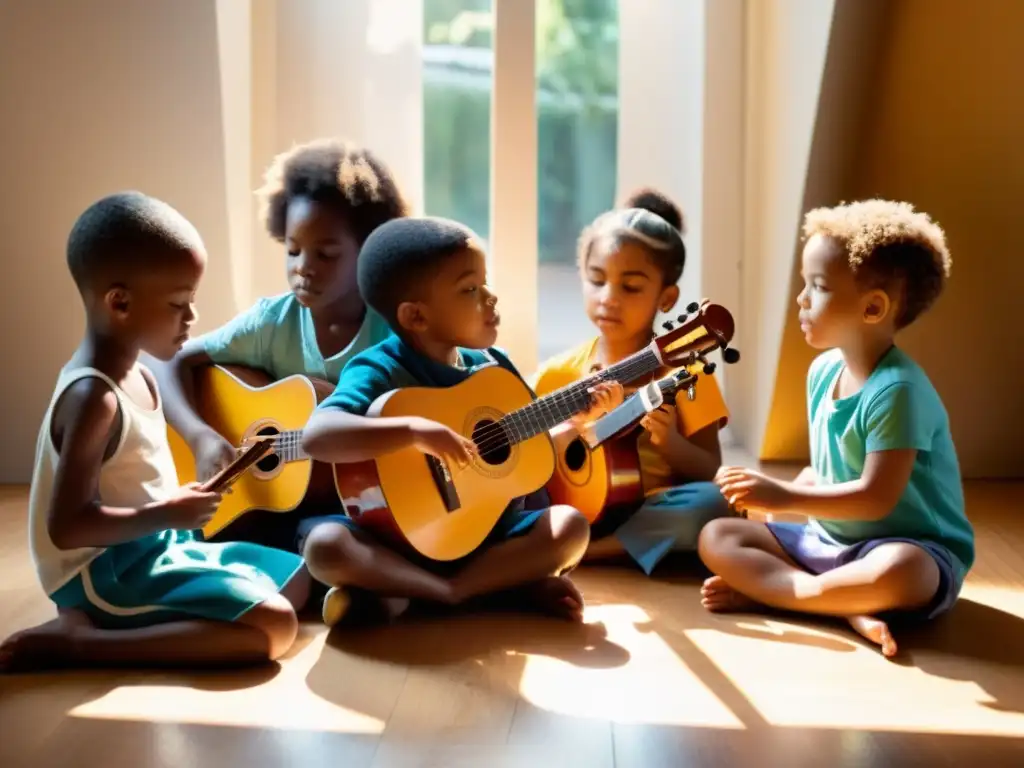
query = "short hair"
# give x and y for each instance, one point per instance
(123, 232)
(352, 180)
(658, 203)
(400, 254)
(891, 246)
(659, 237)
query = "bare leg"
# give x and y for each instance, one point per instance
(264, 633)
(534, 562)
(340, 558)
(749, 562)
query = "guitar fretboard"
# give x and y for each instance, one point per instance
(549, 411)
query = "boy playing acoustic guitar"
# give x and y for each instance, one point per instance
(428, 277)
(888, 536)
(630, 261)
(112, 534)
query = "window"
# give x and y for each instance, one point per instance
(577, 113)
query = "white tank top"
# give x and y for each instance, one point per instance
(141, 470)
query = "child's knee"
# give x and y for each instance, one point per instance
(570, 531)
(720, 536)
(276, 618)
(906, 572)
(328, 547)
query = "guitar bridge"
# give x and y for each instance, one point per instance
(445, 484)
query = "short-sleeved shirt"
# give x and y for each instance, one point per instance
(692, 415)
(897, 408)
(277, 335)
(394, 364)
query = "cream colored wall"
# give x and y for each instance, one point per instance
(97, 97)
(786, 45)
(944, 130)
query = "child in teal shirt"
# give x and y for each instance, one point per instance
(320, 200)
(888, 537)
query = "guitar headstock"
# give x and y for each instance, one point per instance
(711, 327)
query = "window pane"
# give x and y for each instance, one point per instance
(577, 113)
(457, 82)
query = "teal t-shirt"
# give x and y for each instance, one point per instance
(897, 408)
(277, 335)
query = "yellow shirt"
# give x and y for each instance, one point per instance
(693, 415)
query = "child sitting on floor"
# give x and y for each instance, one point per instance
(888, 535)
(112, 535)
(630, 262)
(428, 277)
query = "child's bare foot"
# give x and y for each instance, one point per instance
(556, 596)
(876, 631)
(46, 646)
(719, 597)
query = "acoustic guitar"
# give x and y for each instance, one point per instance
(244, 405)
(444, 512)
(598, 471)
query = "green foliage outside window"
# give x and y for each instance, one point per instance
(577, 105)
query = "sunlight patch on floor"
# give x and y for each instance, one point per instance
(279, 703)
(654, 687)
(781, 680)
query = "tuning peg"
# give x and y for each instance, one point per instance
(731, 355)
(692, 307)
(709, 368)
(667, 325)
(681, 319)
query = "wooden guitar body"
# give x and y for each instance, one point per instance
(240, 404)
(598, 481)
(446, 512)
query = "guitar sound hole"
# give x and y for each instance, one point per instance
(269, 462)
(575, 455)
(492, 442)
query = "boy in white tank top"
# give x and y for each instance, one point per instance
(111, 533)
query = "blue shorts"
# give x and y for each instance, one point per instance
(817, 554)
(670, 521)
(516, 521)
(170, 576)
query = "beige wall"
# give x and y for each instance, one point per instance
(97, 97)
(945, 130)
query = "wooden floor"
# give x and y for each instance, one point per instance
(650, 680)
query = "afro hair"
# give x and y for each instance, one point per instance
(891, 246)
(352, 180)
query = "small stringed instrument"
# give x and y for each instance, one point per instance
(243, 405)
(445, 513)
(598, 472)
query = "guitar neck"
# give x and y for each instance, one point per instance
(549, 411)
(634, 408)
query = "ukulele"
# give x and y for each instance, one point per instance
(444, 512)
(597, 471)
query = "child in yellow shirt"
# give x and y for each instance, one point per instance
(630, 262)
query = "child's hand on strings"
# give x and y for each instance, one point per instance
(604, 397)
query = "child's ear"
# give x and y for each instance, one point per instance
(117, 301)
(877, 307)
(669, 297)
(412, 316)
